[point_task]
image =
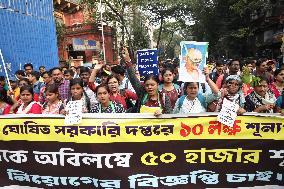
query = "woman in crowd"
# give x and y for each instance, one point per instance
(28, 106)
(7, 104)
(149, 98)
(25, 82)
(231, 91)
(279, 105)
(278, 85)
(123, 96)
(53, 103)
(168, 88)
(78, 93)
(105, 105)
(194, 101)
(261, 100)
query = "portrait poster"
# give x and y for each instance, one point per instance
(193, 61)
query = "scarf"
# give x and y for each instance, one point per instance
(21, 109)
(259, 101)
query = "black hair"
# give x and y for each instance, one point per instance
(167, 69)
(41, 67)
(112, 76)
(118, 70)
(76, 81)
(20, 72)
(260, 61)
(28, 64)
(84, 69)
(186, 84)
(219, 63)
(263, 78)
(46, 72)
(152, 77)
(102, 86)
(5, 98)
(234, 60)
(28, 88)
(26, 80)
(277, 72)
(81, 83)
(36, 74)
(55, 68)
(52, 88)
(70, 71)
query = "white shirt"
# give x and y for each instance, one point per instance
(189, 106)
(125, 84)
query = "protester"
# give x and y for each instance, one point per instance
(149, 98)
(14, 86)
(234, 68)
(28, 106)
(42, 69)
(28, 68)
(68, 74)
(123, 80)
(194, 101)
(231, 91)
(63, 85)
(25, 82)
(78, 93)
(261, 69)
(20, 74)
(89, 87)
(105, 105)
(168, 88)
(122, 96)
(53, 103)
(219, 71)
(47, 79)
(7, 104)
(278, 85)
(34, 80)
(261, 100)
(279, 105)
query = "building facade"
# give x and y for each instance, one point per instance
(268, 35)
(80, 36)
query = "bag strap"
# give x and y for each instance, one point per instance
(180, 101)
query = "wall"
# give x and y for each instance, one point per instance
(28, 34)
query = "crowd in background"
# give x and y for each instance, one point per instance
(256, 85)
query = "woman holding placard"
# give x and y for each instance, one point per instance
(78, 94)
(232, 91)
(150, 100)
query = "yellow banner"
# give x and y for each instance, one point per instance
(112, 130)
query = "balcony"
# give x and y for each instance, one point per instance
(66, 6)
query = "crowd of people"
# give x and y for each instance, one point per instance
(255, 85)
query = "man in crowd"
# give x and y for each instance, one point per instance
(34, 80)
(63, 84)
(234, 69)
(219, 71)
(124, 81)
(28, 68)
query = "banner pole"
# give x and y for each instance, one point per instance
(6, 73)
